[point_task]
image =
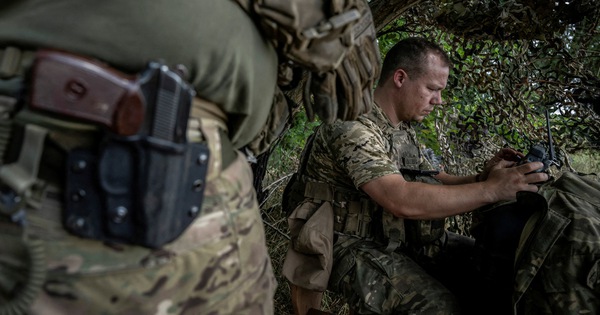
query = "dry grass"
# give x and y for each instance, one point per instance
(281, 166)
(277, 241)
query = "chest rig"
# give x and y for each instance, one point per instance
(358, 215)
(404, 150)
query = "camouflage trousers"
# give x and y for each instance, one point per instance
(219, 265)
(374, 281)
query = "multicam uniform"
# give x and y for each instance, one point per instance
(377, 259)
(557, 268)
(220, 264)
(550, 264)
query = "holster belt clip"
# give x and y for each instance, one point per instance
(13, 61)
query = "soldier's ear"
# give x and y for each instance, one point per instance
(399, 77)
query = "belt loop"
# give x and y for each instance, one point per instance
(210, 132)
(13, 61)
(22, 174)
(9, 62)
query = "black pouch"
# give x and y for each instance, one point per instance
(135, 191)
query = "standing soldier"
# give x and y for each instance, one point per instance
(122, 187)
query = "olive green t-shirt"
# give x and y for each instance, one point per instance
(229, 62)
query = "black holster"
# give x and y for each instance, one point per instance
(134, 191)
(143, 183)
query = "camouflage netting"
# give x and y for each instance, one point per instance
(512, 61)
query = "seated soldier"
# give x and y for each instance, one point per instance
(371, 223)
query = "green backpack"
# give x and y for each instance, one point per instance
(541, 254)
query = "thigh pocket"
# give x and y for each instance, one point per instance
(308, 262)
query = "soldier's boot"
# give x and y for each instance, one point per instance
(305, 301)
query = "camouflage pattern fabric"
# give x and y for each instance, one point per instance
(335, 159)
(375, 281)
(557, 271)
(220, 265)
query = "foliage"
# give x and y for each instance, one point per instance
(292, 142)
(586, 161)
(513, 59)
(505, 76)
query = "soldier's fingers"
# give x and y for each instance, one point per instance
(532, 178)
(504, 164)
(530, 167)
(530, 187)
(510, 154)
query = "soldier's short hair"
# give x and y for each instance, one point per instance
(410, 55)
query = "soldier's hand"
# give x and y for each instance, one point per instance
(504, 154)
(509, 154)
(506, 180)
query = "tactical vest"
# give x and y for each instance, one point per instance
(356, 214)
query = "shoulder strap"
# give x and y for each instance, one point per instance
(307, 150)
(293, 193)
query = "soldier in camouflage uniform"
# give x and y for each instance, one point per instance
(370, 225)
(123, 189)
(220, 263)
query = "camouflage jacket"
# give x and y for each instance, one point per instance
(558, 264)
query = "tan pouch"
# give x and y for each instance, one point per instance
(309, 258)
(335, 41)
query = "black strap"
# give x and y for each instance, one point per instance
(306, 152)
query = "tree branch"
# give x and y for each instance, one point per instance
(386, 11)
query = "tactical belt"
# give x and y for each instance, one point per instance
(210, 113)
(138, 180)
(349, 216)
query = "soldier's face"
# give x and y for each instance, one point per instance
(418, 96)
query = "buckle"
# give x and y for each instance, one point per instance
(335, 22)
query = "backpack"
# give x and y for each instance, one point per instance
(541, 254)
(335, 41)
